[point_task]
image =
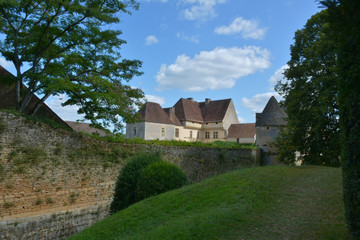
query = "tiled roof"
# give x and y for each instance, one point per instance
(214, 110)
(272, 115)
(3, 71)
(171, 114)
(8, 98)
(188, 110)
(85, 128)
(211, 111)
(242, 130)
(152, 112)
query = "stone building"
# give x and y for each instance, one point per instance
(268, 124)
(187, 120)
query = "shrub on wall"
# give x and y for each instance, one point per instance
(159, 177)
(128, 177)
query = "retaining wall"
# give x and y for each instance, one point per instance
(54, 183)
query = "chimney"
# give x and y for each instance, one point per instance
(190, 98)
(207, 100)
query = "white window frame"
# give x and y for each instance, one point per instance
(163, 132)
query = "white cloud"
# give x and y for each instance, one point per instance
(216, 69)
(247, 29)
(5, 64)
(193, 38)
(241, 119)
(201, 9)
(150, 40)
(156, 99)
(67, 113)
(278, 76)
(258, 101)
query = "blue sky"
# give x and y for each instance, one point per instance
(213, 49)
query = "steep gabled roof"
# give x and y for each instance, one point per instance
(214, 111)
(209, 111)
(188, 110)
(242, 130)
(8, 98)
(153, 112)
(3, 71)
(171, 114)
(272, 115)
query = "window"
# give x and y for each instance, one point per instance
(163, 132)
(198, 135)
(176, 132)
(207, 135)
(134, 131)
(216, 135)
(190, 134)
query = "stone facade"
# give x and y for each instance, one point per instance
(187, 120)
(268, 125)
(55, 182)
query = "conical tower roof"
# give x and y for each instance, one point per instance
(272, 115)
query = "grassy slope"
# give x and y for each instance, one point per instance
(256, 203)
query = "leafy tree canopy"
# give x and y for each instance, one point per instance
(69, 47)
(344, 23)
(310, 94)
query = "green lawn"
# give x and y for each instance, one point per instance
(254, 203)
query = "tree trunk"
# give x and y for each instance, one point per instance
(40, 103)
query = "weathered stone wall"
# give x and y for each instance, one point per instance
(45, 172)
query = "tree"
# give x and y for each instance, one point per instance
(344, 23)
(310, 96)
(69, 47)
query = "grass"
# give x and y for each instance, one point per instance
(255, 203)
(119, 138)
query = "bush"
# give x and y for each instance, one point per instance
(128, 177)
(158, 178)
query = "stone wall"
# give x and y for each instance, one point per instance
(54, 183)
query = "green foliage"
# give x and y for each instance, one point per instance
(345, 22)
(28, 155)
(9, 205)
(270, 203)
(2, 126)
(125, 188)
(159, 177)
(2, 172)
(70, 49)
(216, 144)
(310, 94)
(36, 119)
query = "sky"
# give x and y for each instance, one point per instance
(215, 49)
